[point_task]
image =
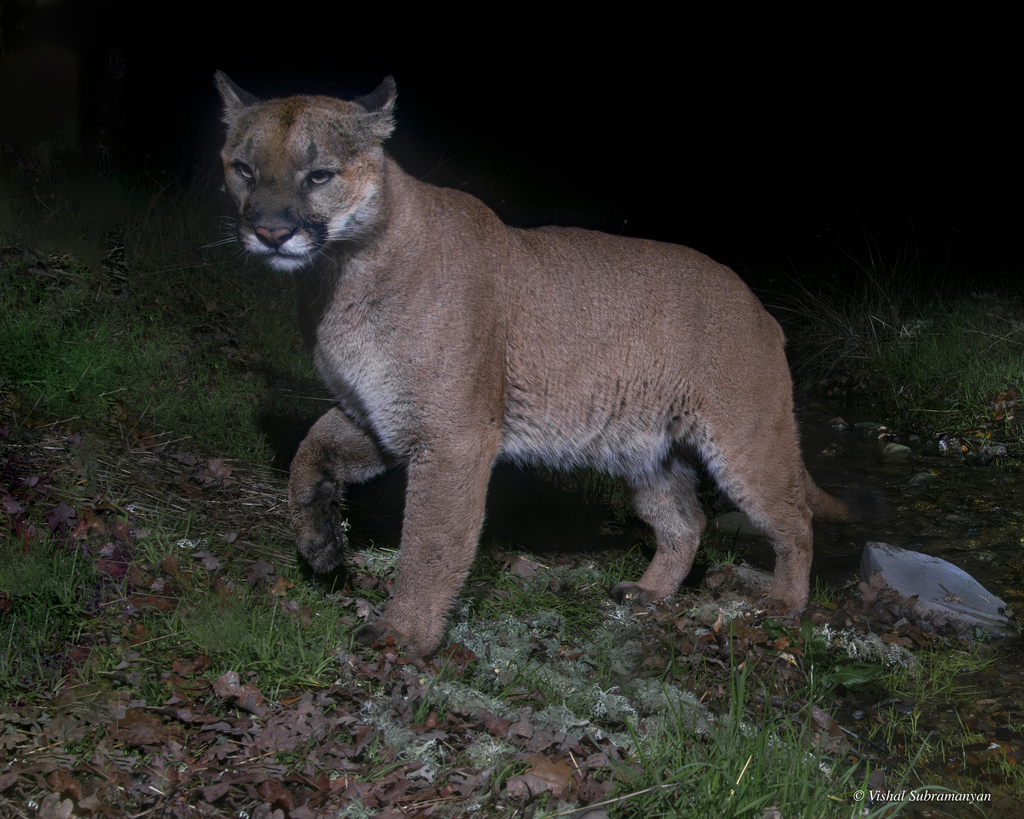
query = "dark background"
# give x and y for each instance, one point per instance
(762, 141)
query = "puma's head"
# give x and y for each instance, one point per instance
(304, 171)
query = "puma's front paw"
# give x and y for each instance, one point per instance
(418, 637)
(319, 529)
(626, 592)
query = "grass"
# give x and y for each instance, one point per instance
(68, 619)
(53, 602)
(160, 333)
(967, 352)
(939, 677)
(942, 360)
(943, 357)
(748, 763)
(287, 649)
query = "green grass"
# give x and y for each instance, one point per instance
(939, 356)
(63, 609)
(745, 763)
(244, 630)
(168, 330)
(967, 352)
(938, 677)
(55, 596)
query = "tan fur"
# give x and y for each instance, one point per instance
(449, 340)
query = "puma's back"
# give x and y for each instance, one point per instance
(449, 340)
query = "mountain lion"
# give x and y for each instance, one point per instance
(449, 340)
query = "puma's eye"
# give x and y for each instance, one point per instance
(243, 170)
(319, 177)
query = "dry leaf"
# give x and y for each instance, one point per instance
(542, 776)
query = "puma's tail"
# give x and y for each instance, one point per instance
(856, 506)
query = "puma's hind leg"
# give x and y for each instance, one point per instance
(766, 478)
(667, 501)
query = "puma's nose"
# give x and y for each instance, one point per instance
(273, 238)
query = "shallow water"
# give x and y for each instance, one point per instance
(969, 515)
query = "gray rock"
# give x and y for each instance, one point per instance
(894, 453)
(943, 590)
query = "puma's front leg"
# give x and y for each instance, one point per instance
(444, 510)
(334, 453)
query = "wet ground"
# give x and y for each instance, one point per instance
(958, 507)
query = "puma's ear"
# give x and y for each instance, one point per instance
(383, 96)
(236, 99)
(379, 105)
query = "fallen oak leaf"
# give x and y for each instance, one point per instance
(246, 695)
(60, 516)
(524, 567)
(869, 591)
(211, 793)
(745, 631)
(259, 572)
(365, 610)
(274, 793)
(138, 727)
(144, 440)
(217, 472)
(293, 609)
(170, 564)
(388, 790)
(51, 807)
(10, 505)
(820, 718)
(522, 729)
(188, 489)
(187, 668)
(120, 530)
(543, 776)
(61, 782)
(496, 726)
(209, 560)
